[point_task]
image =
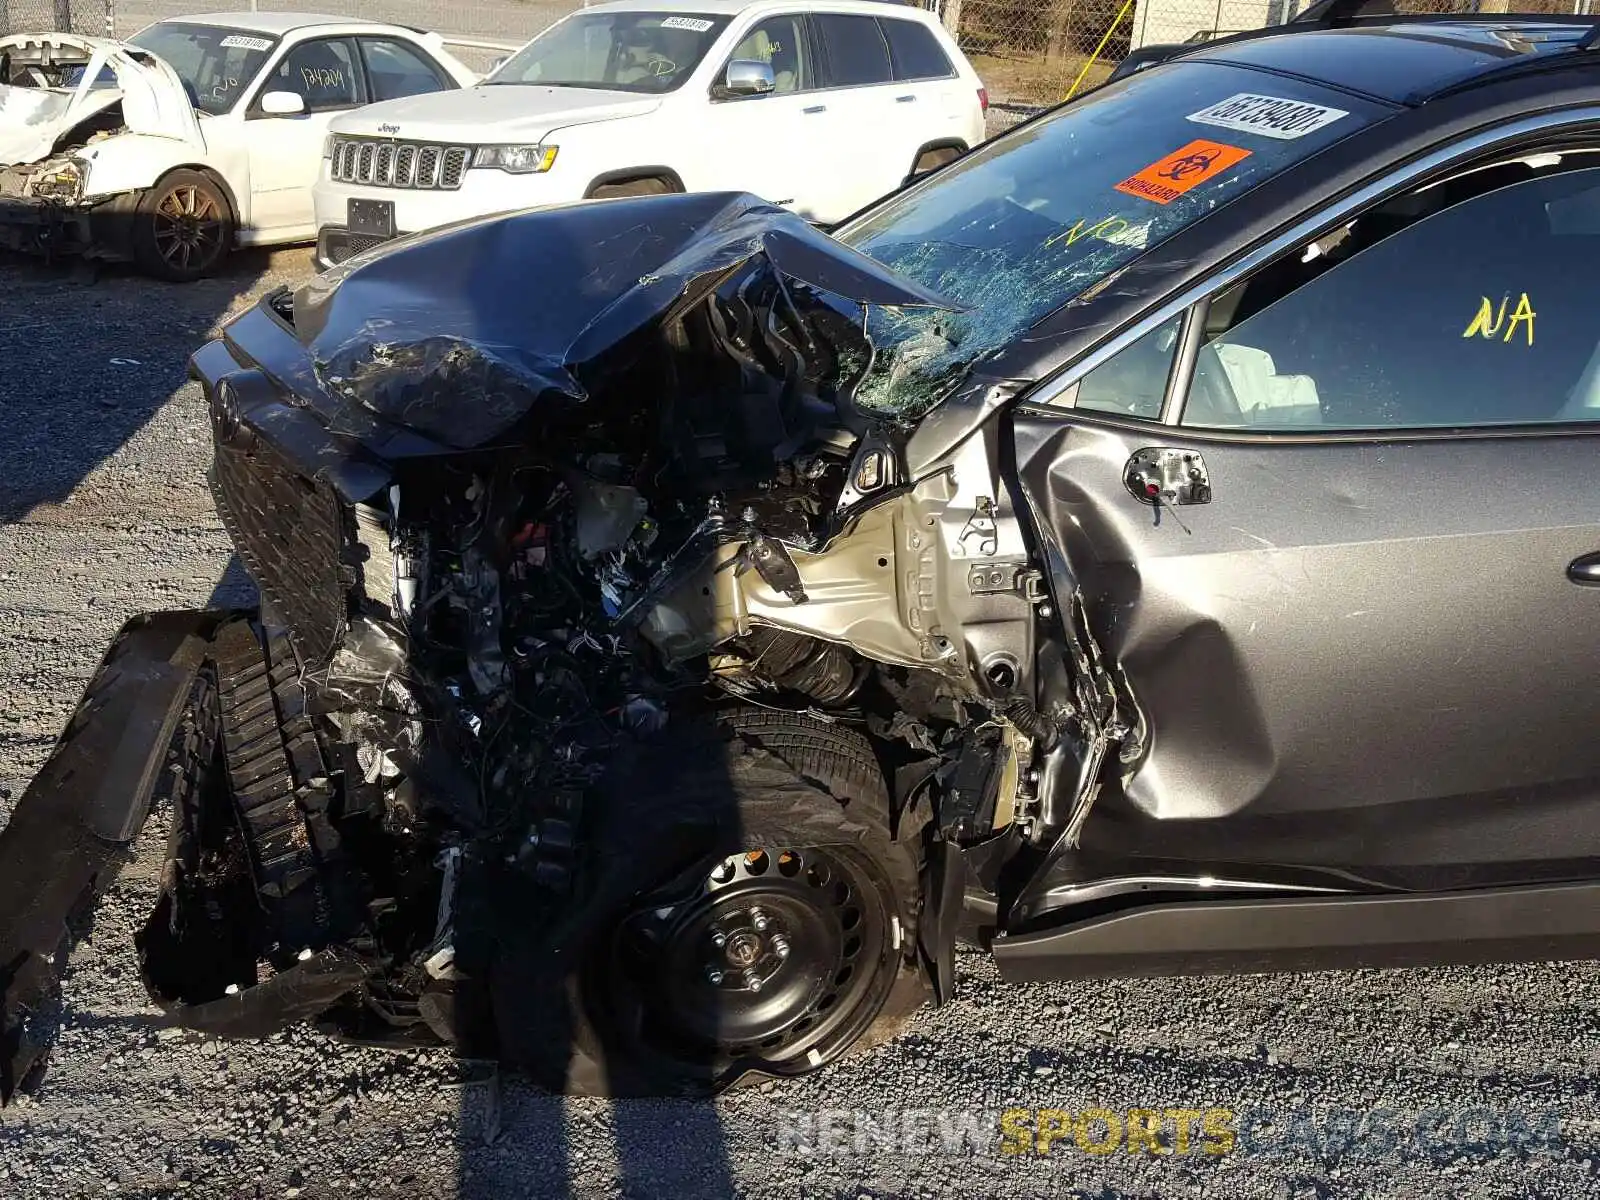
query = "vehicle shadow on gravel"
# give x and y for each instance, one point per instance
(235, 589)
(88, 355)
(516, 1133)
(612, 998)
(674, 1148)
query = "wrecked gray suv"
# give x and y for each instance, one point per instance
(1152, 543)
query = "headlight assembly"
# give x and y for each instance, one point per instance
(61, 180)
(517, 160)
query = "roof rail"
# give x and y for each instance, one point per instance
(1331, 13)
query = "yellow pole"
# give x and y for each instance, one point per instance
(1127, 4)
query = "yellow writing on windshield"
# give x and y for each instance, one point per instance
(1108, 228)
(1490, 320)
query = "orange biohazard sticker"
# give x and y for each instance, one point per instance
(1165, 180)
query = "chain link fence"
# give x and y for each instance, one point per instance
(1029, 53)
(1032, 53)
(66, 16)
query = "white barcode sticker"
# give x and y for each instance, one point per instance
(1270, 116)
(692, 24)
(238, 41)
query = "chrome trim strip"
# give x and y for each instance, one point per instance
(1104, 889)
(1185, 355)
(384, 163)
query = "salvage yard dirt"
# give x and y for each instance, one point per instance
(104, 513)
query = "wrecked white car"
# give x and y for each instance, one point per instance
(193, 136)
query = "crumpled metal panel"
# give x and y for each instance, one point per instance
(456, 333)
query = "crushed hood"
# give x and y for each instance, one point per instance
(457, 333)
(34, 119)
(495, 112)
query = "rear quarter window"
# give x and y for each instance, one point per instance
(396, 70)
(915, 52)
(856, 54)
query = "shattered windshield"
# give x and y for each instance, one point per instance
(622, 51)
(1026, 224)
(216, 64)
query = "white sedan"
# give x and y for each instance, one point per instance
(195, 135)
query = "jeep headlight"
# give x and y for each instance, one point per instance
(518, 160)
(61, 180)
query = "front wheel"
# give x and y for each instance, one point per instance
(779, 956)
(182, 228)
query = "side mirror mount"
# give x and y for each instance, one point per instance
(283, 104)
(499, 62)
(747, 77)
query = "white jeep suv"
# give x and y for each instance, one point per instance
(818, 105)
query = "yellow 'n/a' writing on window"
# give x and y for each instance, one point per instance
(1490, 320)
(1105, 230)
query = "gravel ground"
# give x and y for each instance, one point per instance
(104, 513)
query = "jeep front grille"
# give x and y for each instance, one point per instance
(381, 163)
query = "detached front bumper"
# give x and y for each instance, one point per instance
(75, 824)
(54, 228)
(247, 781)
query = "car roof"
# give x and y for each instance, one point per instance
(276, 23)
(731, 7)
(1406, 61)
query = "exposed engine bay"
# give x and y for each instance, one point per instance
(56, 112)
(505, 589)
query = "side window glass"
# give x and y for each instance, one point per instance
(1134, 382)
(322, 72)
(857, 54)
(1458, 305)
(395, 70)
(915, 52)
(780, 43)
(220, 78)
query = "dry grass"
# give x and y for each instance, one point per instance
(1029, 79)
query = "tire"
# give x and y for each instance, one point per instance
(805, 881)
(183, 227)
(651, 186)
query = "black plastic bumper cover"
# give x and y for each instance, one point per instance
(99, 228)
(73, 826)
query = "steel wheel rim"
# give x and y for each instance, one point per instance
(812, 1000)
(188, 228)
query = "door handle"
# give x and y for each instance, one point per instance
(1585, 571)
(815, 108)
(904, 99)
